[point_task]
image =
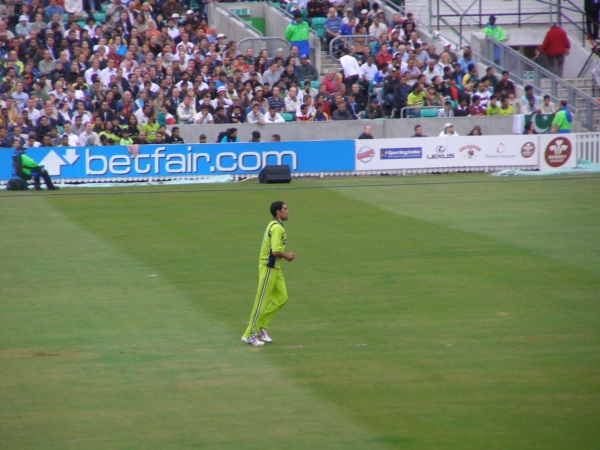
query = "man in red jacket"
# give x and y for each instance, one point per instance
(556, 45)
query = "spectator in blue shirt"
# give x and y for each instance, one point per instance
(333, 24)
(52, 8)
(466, 59)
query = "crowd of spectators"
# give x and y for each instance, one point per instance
(67, 79)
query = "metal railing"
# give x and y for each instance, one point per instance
(405, 112)
(546, 15)
(520, 66)
(285, 12)
(257, 44)
(345, 40)
(236, 17)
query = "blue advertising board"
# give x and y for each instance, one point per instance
(187, 159)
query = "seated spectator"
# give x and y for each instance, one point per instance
(448, 131)
(447, 111)
(331, 82)
(462, 109)
(292, 102)
(204, 117)
(342, 113)
(275, 138)
(256, 116)
(476, 109)
(547, 106)
(306, 71)
(302, 115)
(374, 110)
(493, 109)
(530, 128)
(255, 136)
(273, 116)
(530, 106)
(366, 134)
(186, 112)
(230, 135)
(505, 108)
(237, 115)
(319, 115)
(476, 131)
(418, 132)
(504, 85)
(220, 116)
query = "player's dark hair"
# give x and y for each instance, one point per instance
(276, 206)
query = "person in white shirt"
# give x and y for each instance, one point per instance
(292, 102)
(273, 116)
(255, 116)
(72, 137)
(204, 117)
(88, 137)
(448, 131)
(377, 28)
(108, 72)
(94, 70)
(431, 71)
(368, 70)
(172, 29)
(351, 68)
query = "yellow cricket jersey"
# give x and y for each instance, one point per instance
(274, 240)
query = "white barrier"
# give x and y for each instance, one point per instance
(588, 146)
(557, 150)
(448, 154)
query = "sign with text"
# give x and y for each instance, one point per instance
(167, 161)
(557, 151)
(444, 152)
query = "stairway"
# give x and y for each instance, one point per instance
(327, 63)
(583, 84)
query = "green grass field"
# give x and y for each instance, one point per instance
(434, 312)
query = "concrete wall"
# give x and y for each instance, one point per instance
(345, 129)
(232, 28)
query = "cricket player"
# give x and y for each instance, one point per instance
(272, 294)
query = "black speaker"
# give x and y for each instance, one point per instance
(275, 174)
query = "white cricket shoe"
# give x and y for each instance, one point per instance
(252, 340)
(264, 336)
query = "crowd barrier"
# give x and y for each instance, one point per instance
(309, 158)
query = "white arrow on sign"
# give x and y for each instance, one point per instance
(52, 163)
(71, 156)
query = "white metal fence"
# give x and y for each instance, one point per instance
(588, 147)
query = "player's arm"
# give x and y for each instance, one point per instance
(277, 247)
(288, 256)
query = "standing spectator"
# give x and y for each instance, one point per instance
(495, 32)
(351, 68)
(591, 15)
(563, 121)
(297, 33)
(556, 46)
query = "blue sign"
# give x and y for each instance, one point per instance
(187, 159)
(401, 153)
